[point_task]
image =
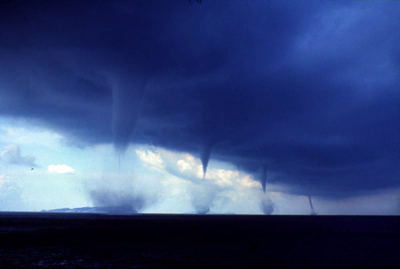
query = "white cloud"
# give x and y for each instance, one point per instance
(151, 159)
(223, 189)
(183, 165)
(60, 169)
(187, 166)
(12, 154)
(10, 194)
(3, 180)
(248, 182)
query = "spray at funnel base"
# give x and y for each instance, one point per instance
(266, 205)
(202, 209)
(116, 202)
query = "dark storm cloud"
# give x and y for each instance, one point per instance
(307, 93)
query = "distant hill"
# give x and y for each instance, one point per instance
(97, 210)
(115, 211)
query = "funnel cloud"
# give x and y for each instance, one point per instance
(311, 206)
(205, 153)
(127, 98)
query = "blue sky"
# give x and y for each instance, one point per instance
(132, 102)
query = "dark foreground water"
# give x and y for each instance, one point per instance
(171, 241)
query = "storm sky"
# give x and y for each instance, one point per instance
(305, 95)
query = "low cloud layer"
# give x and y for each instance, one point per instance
(221, 186)
(11, 154)
(306, 93)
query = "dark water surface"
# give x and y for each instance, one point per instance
(204, 241)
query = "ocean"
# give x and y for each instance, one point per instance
(68, 240)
